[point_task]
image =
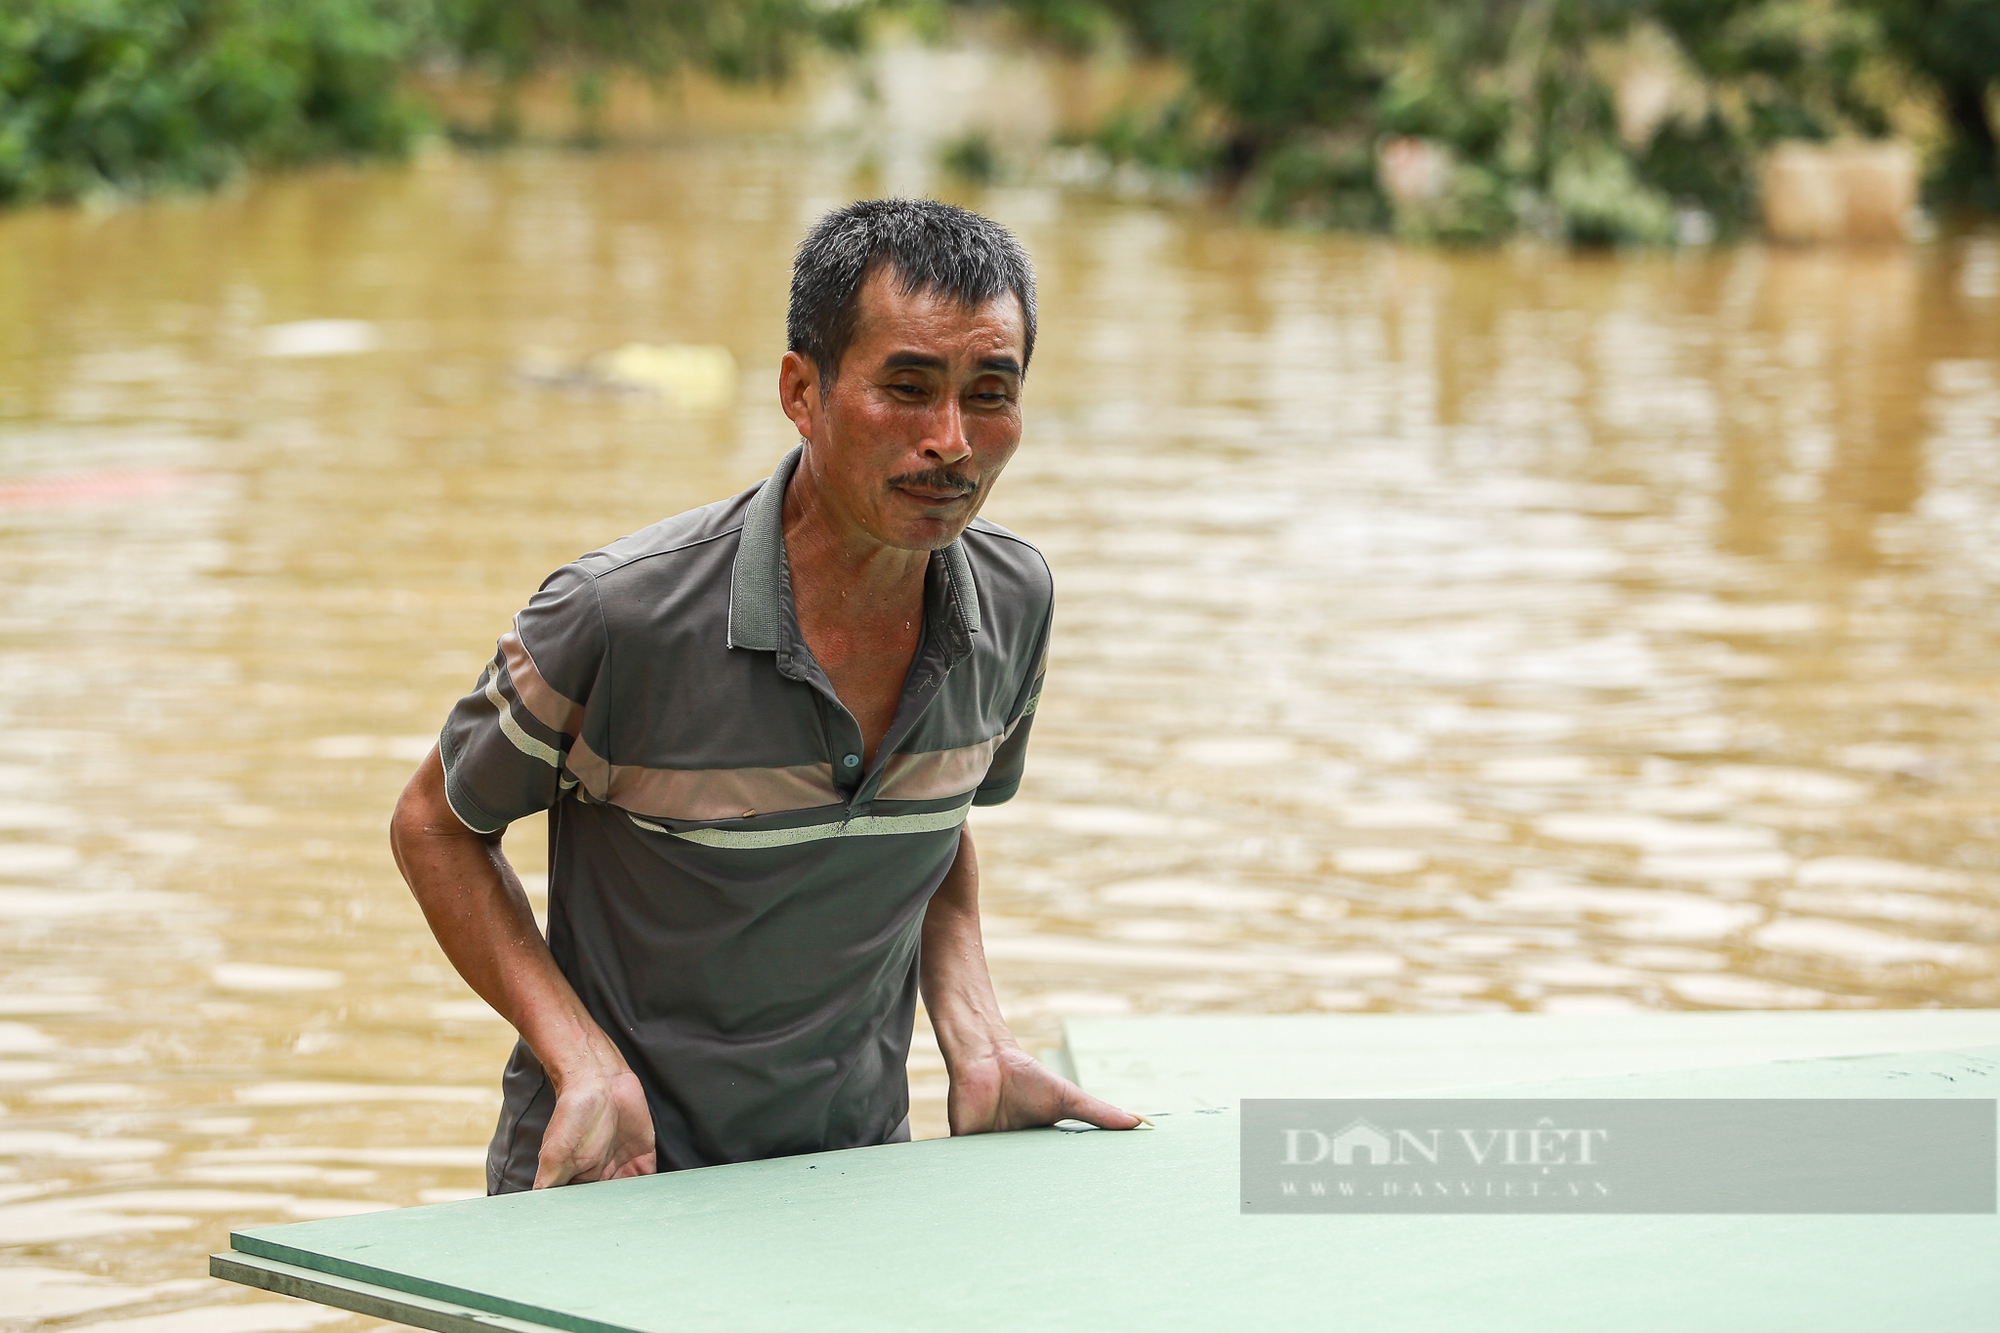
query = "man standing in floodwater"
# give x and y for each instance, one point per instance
(757, 728)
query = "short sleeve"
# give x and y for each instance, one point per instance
(1010, 760)
(507, 746)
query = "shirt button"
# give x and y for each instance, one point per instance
(850, 761)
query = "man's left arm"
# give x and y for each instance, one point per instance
(994, 1083)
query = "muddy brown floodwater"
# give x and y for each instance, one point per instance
(1436, 632)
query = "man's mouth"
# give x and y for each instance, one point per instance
(939, 488)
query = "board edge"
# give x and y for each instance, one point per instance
(364, 1298)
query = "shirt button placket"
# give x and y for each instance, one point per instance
(850, 777)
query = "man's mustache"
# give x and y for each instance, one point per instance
(936, 479)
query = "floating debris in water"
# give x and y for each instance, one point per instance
(697, 376)
(66, 489)
(319, 337)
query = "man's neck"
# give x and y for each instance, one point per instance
(844, 574)
(860, 606)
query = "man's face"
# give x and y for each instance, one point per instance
(908, 441)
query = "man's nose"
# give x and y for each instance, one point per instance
(948, 443)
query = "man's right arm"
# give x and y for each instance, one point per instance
(601, 1128)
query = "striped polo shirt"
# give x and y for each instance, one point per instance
(735, 895)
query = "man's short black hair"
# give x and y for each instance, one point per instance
(932, 247)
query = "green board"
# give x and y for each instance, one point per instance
(1161, 1063)
(1105, 1231)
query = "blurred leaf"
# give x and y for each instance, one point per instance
(132, 95)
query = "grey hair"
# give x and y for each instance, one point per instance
(931, 247)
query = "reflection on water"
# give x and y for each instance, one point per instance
(1435, 633)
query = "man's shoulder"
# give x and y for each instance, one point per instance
(671, 549)
(1008, 563)
(673, 571)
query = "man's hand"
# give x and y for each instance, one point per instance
(994, 1083)
(1010, 1089)
(600, 1130)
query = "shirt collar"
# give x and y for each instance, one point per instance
(760, 587)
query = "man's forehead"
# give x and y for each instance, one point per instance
(887, 310)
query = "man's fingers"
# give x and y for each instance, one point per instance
(597, 1133)
(549, 1174)
(1030, 1093)
(566, 1150)
(1082, 1106)
(641, 1165)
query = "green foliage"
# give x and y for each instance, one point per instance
(972, 158)
(1279, 65)
(1602, 201)
(1320, 181)
(1424, 100)
(135, 95)
(130, 95)
(1070, 25)
(1171, 142)
(1288, 99)
(1704, 164)
(1955, 46)
(1797, 67)
(1473, 208)
(744, 40)
(1522, 98)
(1073, 26)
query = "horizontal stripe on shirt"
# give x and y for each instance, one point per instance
(934, 774)
(552, 709)
(702, 794)
(862, 826)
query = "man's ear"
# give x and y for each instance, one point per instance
(799, 390)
